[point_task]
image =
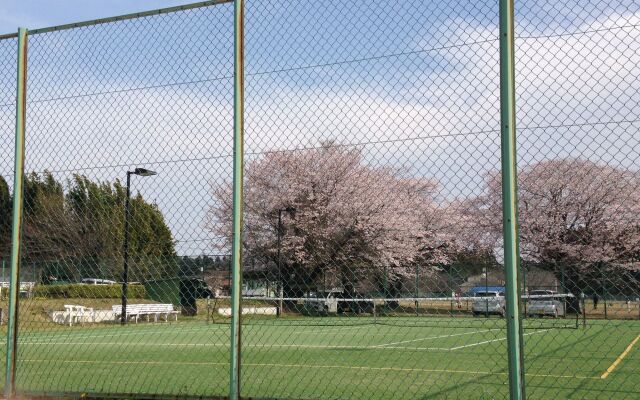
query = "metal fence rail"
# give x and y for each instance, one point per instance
(324, 200)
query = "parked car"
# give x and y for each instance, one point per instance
(322, 302)
(355, 304)
(257, 292)
(202, 289)
(337, 302)
(545, 302)
(489, 302)
(96, 281)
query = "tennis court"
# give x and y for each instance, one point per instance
(385, 358)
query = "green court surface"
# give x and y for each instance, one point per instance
(335, 358)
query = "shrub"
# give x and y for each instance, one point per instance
(88, 291)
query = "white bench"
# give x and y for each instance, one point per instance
(137, 310)
(75, 313)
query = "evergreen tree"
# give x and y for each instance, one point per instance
(80, 230)
(5, 219)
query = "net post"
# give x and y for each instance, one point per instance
(16, 228)
(450, 289)
(238, 155)
(375, 312)
(510, 199)
(416, 288)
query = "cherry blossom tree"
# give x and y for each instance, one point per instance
(576, 216)
(352, 221)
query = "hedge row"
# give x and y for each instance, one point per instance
(88, 291)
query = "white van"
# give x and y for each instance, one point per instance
(323, 302)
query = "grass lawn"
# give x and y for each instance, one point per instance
(335, 358)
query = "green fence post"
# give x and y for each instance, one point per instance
(524, 290)
(238, 163)
(486, 289)
(584, 310)
(324, 280)
(510, 200)
(16, 229)
(450, 292)
(603, 284)
(385, 282)
(563, 287)
(416, 288)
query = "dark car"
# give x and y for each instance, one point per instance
(202, 290)
(354, 304)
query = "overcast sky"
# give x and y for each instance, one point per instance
(414, 83)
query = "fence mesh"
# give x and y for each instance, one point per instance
(576, 84)
(366, 135)
(372, 227)
(8, 61)
(105, 101)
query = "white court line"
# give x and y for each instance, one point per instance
(383, 346)
(435, 337)
(176, 330)
(115, 334)
(302, 346)
(494, 340)
(324, 329)
(414, 348)
(163, 330)
(226, 345)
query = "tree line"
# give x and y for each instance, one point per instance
(76, 230)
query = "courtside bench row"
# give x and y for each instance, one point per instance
(134, 311)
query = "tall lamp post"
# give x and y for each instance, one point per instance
(291, 211)
(125, 247)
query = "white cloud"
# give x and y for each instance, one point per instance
(573, 79)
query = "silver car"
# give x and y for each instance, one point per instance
(489, 302)
(545, 302)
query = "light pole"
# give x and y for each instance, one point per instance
(291, 211)
(125, 247)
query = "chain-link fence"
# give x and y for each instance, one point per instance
(129, 123)
(578, 107)
(372, 213)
